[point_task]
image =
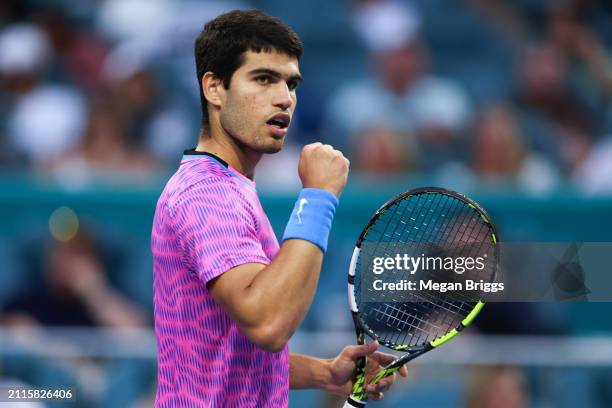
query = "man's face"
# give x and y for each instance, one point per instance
(257, 108)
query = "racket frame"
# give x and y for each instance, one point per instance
(358, 397)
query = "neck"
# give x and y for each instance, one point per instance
(236, 154)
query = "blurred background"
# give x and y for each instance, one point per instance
(507, 101)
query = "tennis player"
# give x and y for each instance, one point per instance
(227, 298)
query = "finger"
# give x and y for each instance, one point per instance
(390, 378)
(383, 385)
(375, 395)
(310, 146)
(353, 352)
(383, 358)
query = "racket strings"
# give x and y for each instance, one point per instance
(429, 223)
(422, 322)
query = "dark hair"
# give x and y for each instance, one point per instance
(220, 47)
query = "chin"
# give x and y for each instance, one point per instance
(272, 149)
(274, 146)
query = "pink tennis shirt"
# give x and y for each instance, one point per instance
(209, 220)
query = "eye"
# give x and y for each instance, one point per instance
(292, 85)
(263, 80)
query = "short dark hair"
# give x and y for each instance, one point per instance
(221, 45)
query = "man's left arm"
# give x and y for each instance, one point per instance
(335, 375)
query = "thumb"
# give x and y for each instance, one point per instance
(362, 350)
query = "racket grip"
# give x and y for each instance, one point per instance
(351, 403)
(384, 373)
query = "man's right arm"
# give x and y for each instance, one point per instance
(268, 302)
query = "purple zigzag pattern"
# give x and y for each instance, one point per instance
(209, 219)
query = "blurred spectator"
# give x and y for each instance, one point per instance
(593, 176)
(497, 387)
(153, 121)
(106, 151)
(557, 123)
(405, 118)
(501, 154)
(79, 51)
(564, 73)
(571, 33)
(40, 121)
(504, 17)
(76, 292)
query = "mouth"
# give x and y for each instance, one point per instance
(279, 124)
(280, 120)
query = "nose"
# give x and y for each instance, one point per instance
(283, 97)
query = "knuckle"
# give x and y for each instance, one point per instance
(377, 395)
(311, 146)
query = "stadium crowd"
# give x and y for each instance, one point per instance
(515, 93)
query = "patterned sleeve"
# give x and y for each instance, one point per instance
(217, 229)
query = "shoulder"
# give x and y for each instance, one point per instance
(357, 103)
(440, 100)
(197, 185)
(355, 92)
(440, 86)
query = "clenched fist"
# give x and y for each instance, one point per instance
(321, 166)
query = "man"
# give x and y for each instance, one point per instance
(227, 298)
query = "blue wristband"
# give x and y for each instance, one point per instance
(312, 216)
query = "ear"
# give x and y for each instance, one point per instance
(212, 88)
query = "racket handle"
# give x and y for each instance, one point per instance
(384, 373)
(352, 403)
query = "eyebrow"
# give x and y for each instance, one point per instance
(275, 74)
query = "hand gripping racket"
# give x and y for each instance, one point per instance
(433, 222)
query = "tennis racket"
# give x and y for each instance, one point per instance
(431, 221)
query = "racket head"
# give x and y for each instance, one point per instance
(441, 220)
